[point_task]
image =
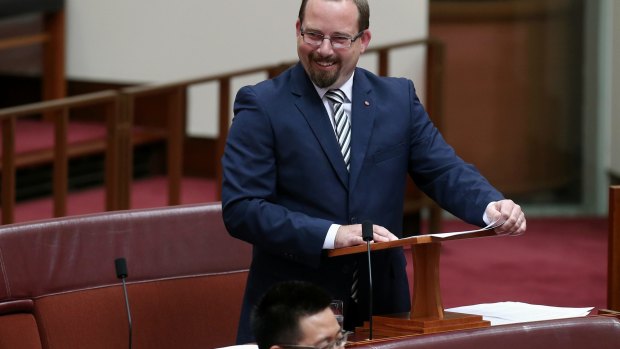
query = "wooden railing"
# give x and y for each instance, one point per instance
(121, 113)
(52, 40)
(57, 112)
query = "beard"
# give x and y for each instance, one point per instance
(322, 78)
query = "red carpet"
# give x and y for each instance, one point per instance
(151, 192)
(34, 135)
(559, 262)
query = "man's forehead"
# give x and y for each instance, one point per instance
(343, 17)
(319, 327)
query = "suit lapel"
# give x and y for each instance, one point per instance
(362, 121)
(310, 106)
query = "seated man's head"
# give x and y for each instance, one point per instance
(296, 314)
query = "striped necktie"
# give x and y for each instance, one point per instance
(342, 124)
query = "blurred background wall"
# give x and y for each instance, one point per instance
(531, 87)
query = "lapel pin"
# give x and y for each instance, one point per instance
(366, 103)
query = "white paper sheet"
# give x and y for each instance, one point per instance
(513, 312)
(490, 226)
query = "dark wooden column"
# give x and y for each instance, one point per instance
(613, 276)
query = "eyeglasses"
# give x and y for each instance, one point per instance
(337, 343)
(338, 41)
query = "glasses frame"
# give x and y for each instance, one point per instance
(352, 39)
(339, 342)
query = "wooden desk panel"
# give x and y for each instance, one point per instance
(613, 276)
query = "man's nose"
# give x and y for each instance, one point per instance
(325, 48)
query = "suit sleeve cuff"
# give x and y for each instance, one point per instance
(486, 218)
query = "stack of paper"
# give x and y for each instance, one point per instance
(512, 312)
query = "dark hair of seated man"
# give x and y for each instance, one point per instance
(296, 314)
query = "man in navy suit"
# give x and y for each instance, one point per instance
(299, 181)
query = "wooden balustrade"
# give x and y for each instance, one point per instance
(122, 113)
(58, 111)
(51, 38)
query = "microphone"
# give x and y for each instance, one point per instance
(121, 273)
(367, 235)
(367, 231)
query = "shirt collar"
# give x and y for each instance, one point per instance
(347, 88)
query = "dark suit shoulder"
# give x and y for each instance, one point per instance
(382, 82)
(275, 87)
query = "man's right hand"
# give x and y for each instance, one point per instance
(351, 235)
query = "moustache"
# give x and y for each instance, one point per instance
(330, 60)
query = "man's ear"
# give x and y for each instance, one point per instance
(365, 40)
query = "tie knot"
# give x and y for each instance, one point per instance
(336, 96)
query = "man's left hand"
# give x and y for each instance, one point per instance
(510, 213)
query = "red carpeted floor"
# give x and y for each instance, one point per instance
(559, 261)
(151, 192)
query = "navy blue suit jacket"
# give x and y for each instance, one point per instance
(285, 182)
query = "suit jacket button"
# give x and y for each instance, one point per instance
(353, 220)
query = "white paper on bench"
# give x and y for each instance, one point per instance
(502, 313)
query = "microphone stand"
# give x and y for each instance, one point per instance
(367, 235)
(121, 273)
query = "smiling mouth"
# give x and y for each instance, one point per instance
(325, 64)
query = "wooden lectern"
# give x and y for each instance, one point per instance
(427, 313)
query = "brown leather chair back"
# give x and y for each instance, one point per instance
(185, 284)
(577, 333)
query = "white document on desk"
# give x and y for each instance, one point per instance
(513, 312)
(490, 226)
(447, 235)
